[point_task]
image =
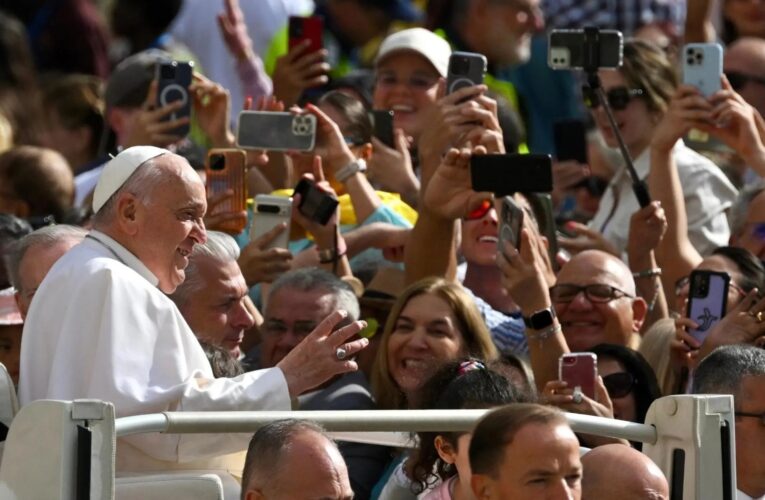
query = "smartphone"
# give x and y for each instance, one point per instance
(579, 369)
(270, 211)
(306, 28)
(382, 123)
(707, 298)
(226, 169)
(567, 49)
(510, 173)
(510, 224)
(465, 70)
(542, 206)
(276, 131)
(315, 203)
(703, 66)
(173, 81)
(570, 136)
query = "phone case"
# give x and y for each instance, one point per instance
(465, 70)
(270, 211)
(707, 298)
(382, 121)
(703, 66)
(315, 203)
(306, 28)
(579, 369)
(510, 224)
(226, 169)
(510, 173)
(173, 80)
(570, 138)
(542, 206)
(276, 131)
(566, 49)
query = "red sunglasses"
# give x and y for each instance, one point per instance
(481, 211)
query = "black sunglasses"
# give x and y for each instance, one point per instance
(618, 97)
(619, 384)
(739, 80)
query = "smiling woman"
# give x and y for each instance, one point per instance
(432, 322)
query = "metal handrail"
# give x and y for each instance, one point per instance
(358, 421)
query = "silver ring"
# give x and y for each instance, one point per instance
(341, 353)
(577, 397)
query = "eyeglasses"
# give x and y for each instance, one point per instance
(682, 284)
(619, 384)
(761, 416)
(415, 81)
(618, 97)
(739, 80)
(597, 294)
(480, 212)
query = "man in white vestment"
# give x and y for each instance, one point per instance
(102, 327)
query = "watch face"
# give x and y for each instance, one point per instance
(541, 319)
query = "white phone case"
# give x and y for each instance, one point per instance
(269, 212)
(702, 66)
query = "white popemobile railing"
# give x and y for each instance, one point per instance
(65, 450)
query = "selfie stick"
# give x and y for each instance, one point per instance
(591, 65)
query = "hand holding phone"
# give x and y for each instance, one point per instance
(315, 204)
(465, 70)
(225, 171)
(510, 224)
(579, 370)
(703, 67)
(707, 300)
(276, 131)
(173, 81)
(270, 212)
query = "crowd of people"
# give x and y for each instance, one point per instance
(124, 281)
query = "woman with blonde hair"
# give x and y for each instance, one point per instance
(432, 322)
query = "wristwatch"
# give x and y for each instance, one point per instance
(540, 319)
(358, 165)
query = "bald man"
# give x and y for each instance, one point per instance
(618, 471)
(595, 302)
(744, 65)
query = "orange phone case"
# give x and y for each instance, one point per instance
(226, 169)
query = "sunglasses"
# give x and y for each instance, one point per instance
(597, 294)
(618, 97)
(739, 80)
(480, 211)
(619, 384)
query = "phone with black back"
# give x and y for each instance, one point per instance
(315, 203)
(276, 131)
(504, 174)
(173, 81)
(465, 70)
(306, 28)
(510, 224)
(567, 49)
(579, 370)
(707, 300)
(542, 206)
(570, 136)
(703, 67)
(382, 123)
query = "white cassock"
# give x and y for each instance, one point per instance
(100, 328)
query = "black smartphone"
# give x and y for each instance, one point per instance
(173, 81)
(567, 49)
(570, 136)
(510, 224)
(542, 206)
(315, 203)
(382, 123)
(511, 173)
(465, 70)
(707, 298)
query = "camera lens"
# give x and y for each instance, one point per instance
(690, 61)
(268, 209)
(217, 162)
(296, 29)
(167, 72)
(459, 65)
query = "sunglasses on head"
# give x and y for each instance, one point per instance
(739, 80)
(618, 97)
(619, 384)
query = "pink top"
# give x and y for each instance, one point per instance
(443, 491)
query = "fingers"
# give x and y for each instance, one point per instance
(601, 393)
(346, 332)
(215, 199)
(264, 240)
(318, 171)
(151, 96)
(399, 140)
(325, 328)
(464, 93)
(218, 220)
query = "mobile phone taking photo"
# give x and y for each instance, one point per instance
(315, 204)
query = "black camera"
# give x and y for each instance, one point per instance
(217, 162)
(315, 203)
(167, 72)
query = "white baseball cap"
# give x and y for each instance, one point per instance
(424, 42)
(119, 169)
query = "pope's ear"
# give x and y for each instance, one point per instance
(127, 212)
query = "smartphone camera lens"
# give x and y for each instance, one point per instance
(268, 209)
(459, 65)
(217, 162)
(167, 72)
(296, 29)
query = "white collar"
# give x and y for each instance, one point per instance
(123, 255)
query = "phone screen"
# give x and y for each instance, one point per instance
(707, 299)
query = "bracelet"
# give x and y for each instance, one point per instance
(545, 334)
(334, 254)
(648, 273)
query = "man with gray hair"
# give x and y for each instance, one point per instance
(213, 297)
(294, 459)
(101, 326)
(739, 370)
(30, 258)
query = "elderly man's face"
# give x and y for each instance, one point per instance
(586, 323)
(216, 311)
(541, 462)
(33, 267)
(170, 223)
(750, 436)
(290, 315)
